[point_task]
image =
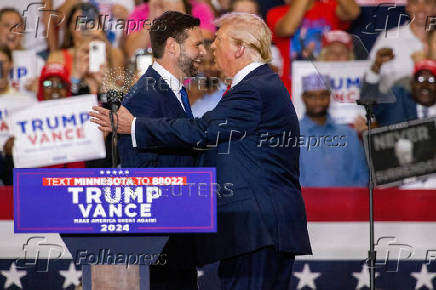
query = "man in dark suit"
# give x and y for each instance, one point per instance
(262, 220)
(177, 46)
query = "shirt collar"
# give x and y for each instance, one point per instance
(240, 75)
(174, 84)
(309, 124)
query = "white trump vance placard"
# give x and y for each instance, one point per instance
(346, 77)
(8, 105)
(55, 132)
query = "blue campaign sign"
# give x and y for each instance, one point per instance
(136, 200)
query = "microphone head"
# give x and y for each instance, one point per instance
(114, 97)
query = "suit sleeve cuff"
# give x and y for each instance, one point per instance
(132, 133)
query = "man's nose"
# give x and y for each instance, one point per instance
(202, 50)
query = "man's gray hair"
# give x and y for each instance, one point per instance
(250, 31)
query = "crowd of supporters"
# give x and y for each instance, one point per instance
(401, 65)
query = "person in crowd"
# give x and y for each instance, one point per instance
(415, 97)
(84, 81)
(11, 28)
(139, 37)
(337, 45)
(219, 7)
(429, 48)
(75, 37)
(40, 21)
(206, 90)
(245, 6)
(12, 32)
(393, 53)
(332, 154)
(5, 67)
(299, 25)
(54, 84)
(113, 10)
(410, 99)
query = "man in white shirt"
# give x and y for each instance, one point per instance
(399, 45)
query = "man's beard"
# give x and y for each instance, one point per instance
(319, 114)
(186, 64)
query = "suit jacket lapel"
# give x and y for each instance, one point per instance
(165, 91)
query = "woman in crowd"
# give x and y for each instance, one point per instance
(139, 37)
(75, 55)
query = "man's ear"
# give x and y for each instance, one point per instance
(239, 51)
(172, 47)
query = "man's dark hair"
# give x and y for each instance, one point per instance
(170, 24)
(6, 51)
(10, 10)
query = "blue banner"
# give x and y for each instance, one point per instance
(111, 201)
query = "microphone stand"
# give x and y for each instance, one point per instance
(372, 255)
(113, 111)
(114, 98)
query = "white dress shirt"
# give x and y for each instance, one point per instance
(404, 43)
(239, 76)
(174, 84)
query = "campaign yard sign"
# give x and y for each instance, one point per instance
(8, 105)
(102, 201)
(403, 151)
(57, 131)
(346, 79)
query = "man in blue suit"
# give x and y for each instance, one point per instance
(261, 220)
(177, 46)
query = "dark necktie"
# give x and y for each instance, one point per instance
(185, 102)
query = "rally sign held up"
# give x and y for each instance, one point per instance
(346, 79)
(403, 151)
(114, 201)
(57, 131)
(8, 105)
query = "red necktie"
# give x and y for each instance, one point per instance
(228, 88)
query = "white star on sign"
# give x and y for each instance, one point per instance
(363, 277)
(71, 275)
(13, 276)
(424, 278)
(306, 277)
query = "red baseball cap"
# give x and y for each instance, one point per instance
(340, 36)
(426, 64)
(53, 70)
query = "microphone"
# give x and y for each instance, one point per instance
(113, 100)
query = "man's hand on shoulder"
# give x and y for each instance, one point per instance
(123, 119)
